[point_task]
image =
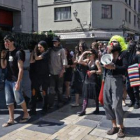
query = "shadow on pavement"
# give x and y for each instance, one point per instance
(132, 131)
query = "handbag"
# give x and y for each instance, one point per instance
(134, 75)
(101, 100)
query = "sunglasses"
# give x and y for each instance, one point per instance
(89, 54)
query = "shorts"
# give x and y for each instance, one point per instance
(11, 94)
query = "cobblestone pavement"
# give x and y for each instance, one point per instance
(64, 124)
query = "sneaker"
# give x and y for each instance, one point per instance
(121, 133)
(74, 105)
(113, 130)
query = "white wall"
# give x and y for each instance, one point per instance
(46, 17)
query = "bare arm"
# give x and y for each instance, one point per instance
(64, 63)
(81, 61)
(32, 60)
(37, 57)
(20, 74)
(99, 71)
(3, 60)
(3, 63)
(35, 54)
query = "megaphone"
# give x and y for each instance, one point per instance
(106, 59)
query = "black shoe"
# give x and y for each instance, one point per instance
(59, 105)
(136, 106)
(82, 113)
(131, 104)
(44, 111)
(67, 99)
(96, 111)
(32, 112)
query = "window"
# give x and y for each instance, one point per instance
(107, 11)
(139, 6)
(129, 17)
(130, 2)
(139, 23)
(134, 20)
(126, 15)
(134, 4)
(63, 13)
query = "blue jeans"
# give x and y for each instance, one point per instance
(12, 95)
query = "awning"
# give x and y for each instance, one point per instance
(88, 35)
(74, 35)
(129, 32)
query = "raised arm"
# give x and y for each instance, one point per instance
(81, 60)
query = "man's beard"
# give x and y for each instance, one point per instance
(116, 49)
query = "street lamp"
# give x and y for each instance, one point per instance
(75, 13)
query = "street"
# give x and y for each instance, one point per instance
(65, 124)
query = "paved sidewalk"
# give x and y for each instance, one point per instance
(64, 124)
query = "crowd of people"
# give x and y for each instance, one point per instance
(53, 71)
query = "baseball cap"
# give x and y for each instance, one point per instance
(56, 38)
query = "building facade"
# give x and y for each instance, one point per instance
(89, 19)
(19, 15)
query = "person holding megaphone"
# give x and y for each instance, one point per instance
(113, 87)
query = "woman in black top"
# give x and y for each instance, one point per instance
(90, 85)
(79, 74)
(68, 73)
(42, 76)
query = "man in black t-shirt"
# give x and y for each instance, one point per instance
(13, 60)
(41, 79)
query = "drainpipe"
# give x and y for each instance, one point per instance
(32, 16)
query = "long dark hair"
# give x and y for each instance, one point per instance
(132, 52)
(84, 46)
(68, 54)
(95, 53)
